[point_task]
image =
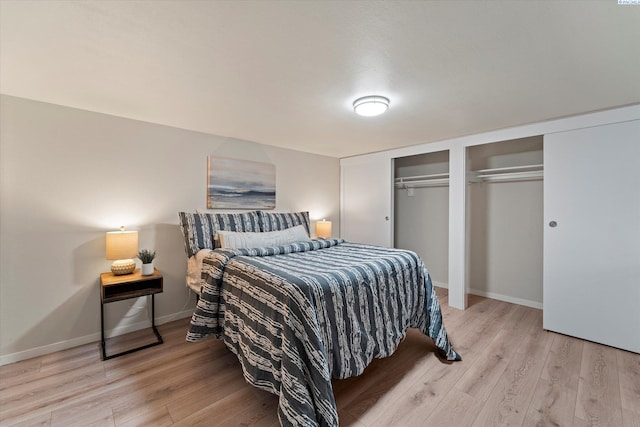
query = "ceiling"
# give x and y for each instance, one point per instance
(285, 73)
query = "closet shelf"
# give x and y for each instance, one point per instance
(514, 173)
(418, 181)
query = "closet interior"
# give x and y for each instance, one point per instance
(421, 210)
(505, 220)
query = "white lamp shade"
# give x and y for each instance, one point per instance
(323, 229)
(122, 244)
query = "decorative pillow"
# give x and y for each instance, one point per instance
(233, 239)
(198, 228)
(274, 221)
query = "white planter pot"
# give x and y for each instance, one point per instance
(146, 270)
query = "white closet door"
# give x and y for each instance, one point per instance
(366, 196)
(592, 234)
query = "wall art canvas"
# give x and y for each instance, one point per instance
(240, 184)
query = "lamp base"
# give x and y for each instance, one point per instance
(123, 266)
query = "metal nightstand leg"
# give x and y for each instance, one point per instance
(153, 321)
(153, 327)
(102, 343)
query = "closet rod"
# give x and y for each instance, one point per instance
(514, 173)
(510, 169)
(423, 183)
(520, 176)
(422, 177)
(419, 181)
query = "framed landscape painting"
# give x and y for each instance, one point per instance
(240, 184)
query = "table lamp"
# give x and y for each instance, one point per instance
(323, 229)
(122, 246)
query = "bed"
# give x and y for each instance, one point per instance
(303, 312)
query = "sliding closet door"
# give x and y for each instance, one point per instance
(366, 194)
(592, 234)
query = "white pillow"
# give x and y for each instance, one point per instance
(237, 239)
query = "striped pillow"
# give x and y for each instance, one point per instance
(198, 228)
(280, 221)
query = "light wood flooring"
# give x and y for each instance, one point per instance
(513, 374)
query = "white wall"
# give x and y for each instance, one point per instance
(67, 176)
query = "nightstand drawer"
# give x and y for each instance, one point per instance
(116, 288)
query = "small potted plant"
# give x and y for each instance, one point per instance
(146, 256)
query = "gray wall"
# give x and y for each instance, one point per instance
(506, 225)
(505, 244)
(421, 221)
(68, 176)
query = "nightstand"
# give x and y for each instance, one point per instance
(117, 288)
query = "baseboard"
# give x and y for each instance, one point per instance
(499, 297)
(74, 342)
(440, 284)
(506, 298)
(87, 339)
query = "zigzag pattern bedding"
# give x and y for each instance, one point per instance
(298, 315)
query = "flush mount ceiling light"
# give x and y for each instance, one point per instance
(371, 105)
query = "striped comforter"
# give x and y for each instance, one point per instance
(299, 315)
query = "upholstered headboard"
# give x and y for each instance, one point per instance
(199, 228)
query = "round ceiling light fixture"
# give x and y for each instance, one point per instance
(371, 105)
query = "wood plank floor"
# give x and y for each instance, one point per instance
(513, 374)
